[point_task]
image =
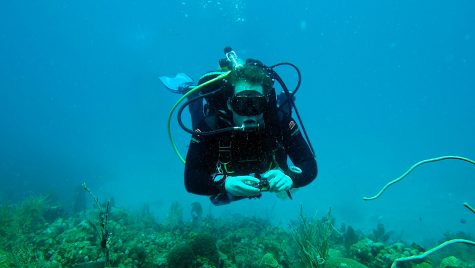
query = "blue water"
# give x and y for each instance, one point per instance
(385, 84)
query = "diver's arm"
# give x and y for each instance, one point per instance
(199, 167)
(300, 154)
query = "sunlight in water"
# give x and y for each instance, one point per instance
(231, 9)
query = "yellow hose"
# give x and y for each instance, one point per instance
(221, 76)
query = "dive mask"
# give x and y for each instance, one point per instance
(249, 105)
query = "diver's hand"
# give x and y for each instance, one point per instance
(241, 185)
(278, 181)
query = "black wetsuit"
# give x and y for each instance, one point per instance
(249, 153)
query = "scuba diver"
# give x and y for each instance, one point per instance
(242, 133)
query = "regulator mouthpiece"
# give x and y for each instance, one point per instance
(250, 126)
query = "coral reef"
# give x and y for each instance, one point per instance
(313, 239)
(37, 233)
(378, 254)
(175, 215)
(339, 262)
(380, 234)
(204, 248)
(268, 261)
(181, 256)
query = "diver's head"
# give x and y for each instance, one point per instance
(251, 94)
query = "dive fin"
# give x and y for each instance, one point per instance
(177, 84)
